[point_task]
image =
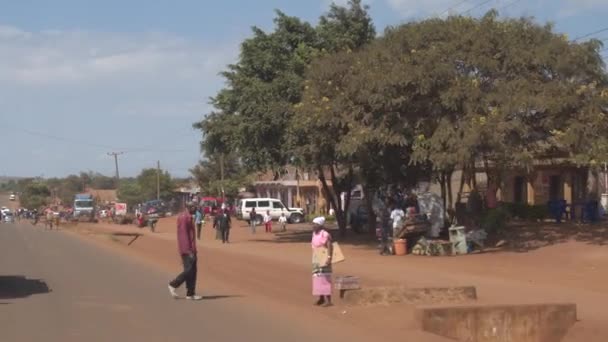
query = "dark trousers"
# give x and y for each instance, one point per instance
(199, 226)
(225, 235)
(188, 275)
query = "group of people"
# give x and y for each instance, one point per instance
(267, 219)
(188, 231)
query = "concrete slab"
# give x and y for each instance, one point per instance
(413, 296)
(499, 323)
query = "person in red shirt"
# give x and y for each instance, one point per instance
(186, 243)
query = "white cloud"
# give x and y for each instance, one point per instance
(105, 89)
(60, 57)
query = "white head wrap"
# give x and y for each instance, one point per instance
(319, 221)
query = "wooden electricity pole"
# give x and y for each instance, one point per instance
(222, 176)
(115, 155)
(158, 180)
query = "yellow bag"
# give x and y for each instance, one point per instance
(337, 255)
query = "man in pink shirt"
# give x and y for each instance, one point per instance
(186, 243)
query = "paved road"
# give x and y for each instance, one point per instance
(58, 287)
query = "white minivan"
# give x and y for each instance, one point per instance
(263, 205)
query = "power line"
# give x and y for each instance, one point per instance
(454, 6)
(509, 5)
(590, 34)
(476, 6)
(149, 148)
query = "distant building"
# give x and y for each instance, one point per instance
(312, 198)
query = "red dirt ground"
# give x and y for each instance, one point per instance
(274, 268)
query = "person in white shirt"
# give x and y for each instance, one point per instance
(397, 216)
(268, 222)
(283, 222)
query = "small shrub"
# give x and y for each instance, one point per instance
(537, 212)
(494, 220)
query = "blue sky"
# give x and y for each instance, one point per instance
(81, 78)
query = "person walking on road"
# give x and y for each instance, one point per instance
(222, 224)
(186, 243)
(321, 262)
(268, 222)
(253, 220)
(49, 219)
(198, 220)
(283, 222)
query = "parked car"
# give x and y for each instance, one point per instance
(156, 207)
(8, 217)
(262, 205)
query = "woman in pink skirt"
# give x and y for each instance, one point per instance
(321, 269)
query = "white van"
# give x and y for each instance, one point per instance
(262, 205)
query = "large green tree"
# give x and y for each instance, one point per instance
(252, 114)
(453, 93)
(255, 112)
(34, 195)
(208, 175)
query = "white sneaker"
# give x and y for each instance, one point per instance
(173, 292)
(195, 297)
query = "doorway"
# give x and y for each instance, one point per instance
(555, 188)
(520, 190)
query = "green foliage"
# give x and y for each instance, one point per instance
(129, 192)
(146, 181)
(440, 93)
(208, 176)
(254, 112)
(495, 220)
(9, 186)
(34, 195)
(527, 212)
(143, 187)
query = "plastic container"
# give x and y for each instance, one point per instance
(458, 239)
(400, 247)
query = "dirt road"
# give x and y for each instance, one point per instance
(270, 276)
(57, 287)
(275, 267)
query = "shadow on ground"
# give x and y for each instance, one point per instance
(221, 297)
(520, 237)
(529, 236)
(304, 236)
(13, 287)
(133, 236)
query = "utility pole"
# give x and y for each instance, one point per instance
(158, 179)
(115, 155)
(222, 176)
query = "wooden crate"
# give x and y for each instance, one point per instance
(347, 283)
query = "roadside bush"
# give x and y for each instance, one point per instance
(494, 220)
(527, 212)
(537, 212)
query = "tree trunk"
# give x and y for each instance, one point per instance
(442, 183)
(449, 188)
(463, 173)
(334, 196)
(369, 206)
